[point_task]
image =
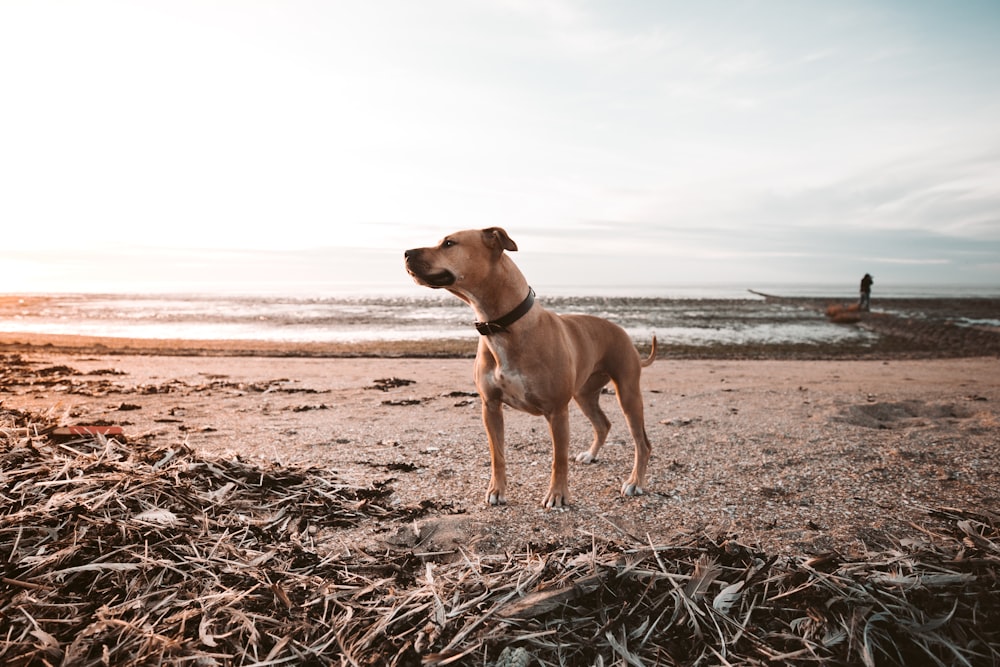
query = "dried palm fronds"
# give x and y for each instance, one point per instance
(117, 553)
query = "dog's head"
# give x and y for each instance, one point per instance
(459, 258)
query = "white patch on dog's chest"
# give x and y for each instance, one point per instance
(511, 383)
(513, 386)
(515, 389)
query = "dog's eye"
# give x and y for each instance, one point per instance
(447, 243)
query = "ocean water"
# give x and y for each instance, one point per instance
(693, 316)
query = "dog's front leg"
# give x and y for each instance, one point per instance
(558, 495)
(493, 420)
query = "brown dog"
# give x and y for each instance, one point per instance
(534, 360)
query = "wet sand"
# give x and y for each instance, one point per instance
(900, 328)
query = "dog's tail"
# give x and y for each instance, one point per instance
(652, 354)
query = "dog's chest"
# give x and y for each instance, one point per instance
(513, 387)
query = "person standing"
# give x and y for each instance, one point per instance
(865, 303)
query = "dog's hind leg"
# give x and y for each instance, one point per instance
(630, 400)
(589, 400)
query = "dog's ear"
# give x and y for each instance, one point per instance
(497, 238)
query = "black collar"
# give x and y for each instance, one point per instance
(500, 325)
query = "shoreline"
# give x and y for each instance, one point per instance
(901, 328)
(897, 339)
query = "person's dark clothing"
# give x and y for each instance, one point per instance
(866, 292)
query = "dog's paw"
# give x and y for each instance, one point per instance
(631, 490)
(496, 498)
(586, 457)
(555, 500)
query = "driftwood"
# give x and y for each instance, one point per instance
(116, 553)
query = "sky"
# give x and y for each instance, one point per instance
(244, 145)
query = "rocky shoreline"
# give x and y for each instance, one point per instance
(903, 328)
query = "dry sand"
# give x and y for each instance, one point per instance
(796, 456)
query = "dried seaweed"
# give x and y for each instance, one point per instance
(385, 384)
(128, 553)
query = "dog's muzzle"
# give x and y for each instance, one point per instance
(422, 271)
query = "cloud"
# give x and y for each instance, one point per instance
(907, 261)
(942, 192)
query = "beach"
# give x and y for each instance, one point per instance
(796, 455)
(261, 501)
